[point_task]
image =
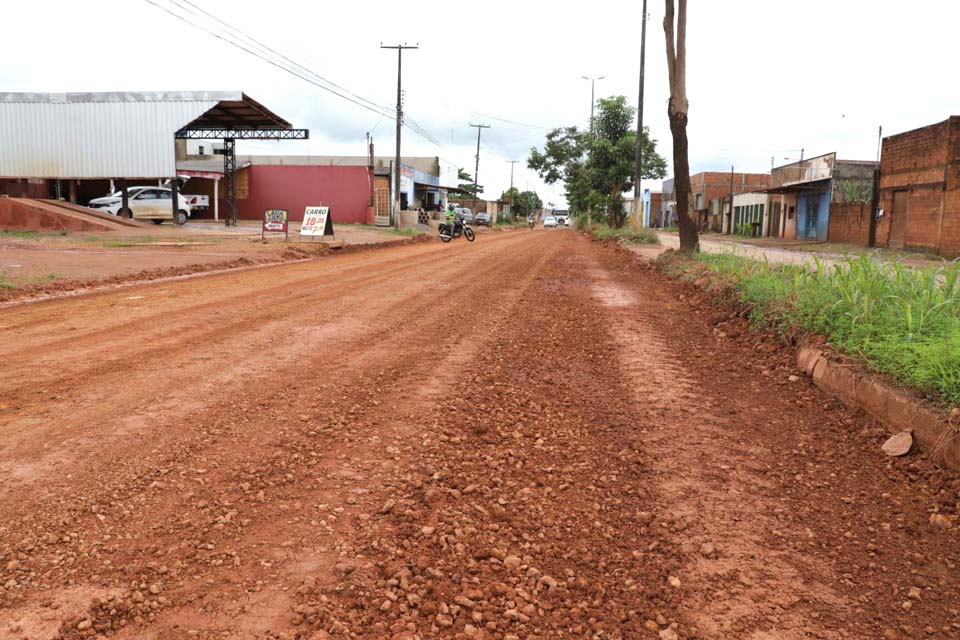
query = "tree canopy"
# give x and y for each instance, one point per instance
(466, 183)
(523, 203)
(597, 167)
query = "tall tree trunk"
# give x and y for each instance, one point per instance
(677, 110)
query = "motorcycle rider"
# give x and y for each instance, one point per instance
(530, 221)
(452, 219)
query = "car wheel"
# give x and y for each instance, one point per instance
(181, 217)
(124, 213)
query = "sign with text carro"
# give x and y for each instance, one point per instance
(275, 221)
(317, 222)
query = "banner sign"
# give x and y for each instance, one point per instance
(316, 222)
(274, 221)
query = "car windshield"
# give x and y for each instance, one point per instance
(130, 192)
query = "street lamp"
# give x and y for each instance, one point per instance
(592, 84)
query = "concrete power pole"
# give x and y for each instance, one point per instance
(476, 169)
(637, 203)
(396, 186)
(512, 197)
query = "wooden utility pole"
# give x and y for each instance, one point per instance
(639, 168)
(396, 193)
(476, 169)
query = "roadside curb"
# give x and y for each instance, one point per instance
(899, 411)
(934, 432)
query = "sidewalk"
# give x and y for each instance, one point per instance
(801, 253)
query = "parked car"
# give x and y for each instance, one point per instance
(146, 203)
(466, 214)
(549, 221)
(484, 219)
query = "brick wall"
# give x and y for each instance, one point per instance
(849, 222)
(924, 164)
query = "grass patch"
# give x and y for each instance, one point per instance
(899, 321)
(4, 283)
(626, 235)
(20, 234)
(393, 230)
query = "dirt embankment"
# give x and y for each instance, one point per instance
(288, 253)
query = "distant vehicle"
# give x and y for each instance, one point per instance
(484, 219)
(146, 203)
(466, 214)
(562, 216)
(550, 221)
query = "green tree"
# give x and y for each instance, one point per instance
(466, 184)
(523, 203)
(598, 168)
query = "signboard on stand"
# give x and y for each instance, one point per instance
(317, 222)
(275, 221)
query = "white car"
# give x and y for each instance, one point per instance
(146, 203)
(549, 221)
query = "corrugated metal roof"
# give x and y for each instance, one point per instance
(97, 135)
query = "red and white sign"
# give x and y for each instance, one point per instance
(275, 221)
(316, 222)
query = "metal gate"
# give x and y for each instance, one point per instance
(898, 219)
(381, 212)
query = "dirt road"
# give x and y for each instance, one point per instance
(530, 436)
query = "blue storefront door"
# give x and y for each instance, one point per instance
(813, 211)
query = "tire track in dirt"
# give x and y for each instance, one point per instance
(789, 521)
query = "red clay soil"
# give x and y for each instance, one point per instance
(152, 262)
(42, 215)
(384, 445)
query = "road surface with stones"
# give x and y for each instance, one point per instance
(530, 436)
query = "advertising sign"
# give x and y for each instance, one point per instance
(274, 221)
(316, 222)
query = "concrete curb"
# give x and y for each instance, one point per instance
(931, 428)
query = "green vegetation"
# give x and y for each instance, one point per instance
(524, 202)
(17, 233)
(5, 283)
(597, 166)
(393, 230)
(624, 235)
(900, 321)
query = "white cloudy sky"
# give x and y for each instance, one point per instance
(766, 78)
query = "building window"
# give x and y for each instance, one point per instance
(201, 150)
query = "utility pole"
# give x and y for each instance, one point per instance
(639, 168)
(396, 193)
(730, 223)
(512, 162)
(592, 99)
(476, 169)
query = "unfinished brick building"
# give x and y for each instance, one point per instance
(920, 190)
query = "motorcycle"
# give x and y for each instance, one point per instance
(530, 223)
(459, 228)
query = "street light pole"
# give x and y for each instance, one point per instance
(638, 205)
(592, 99)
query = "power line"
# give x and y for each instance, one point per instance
(318, 82)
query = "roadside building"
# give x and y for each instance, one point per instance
(80, 146)
(356, 188)
(708, 191)
(919, 204)
(750, 214)
(809, 190)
